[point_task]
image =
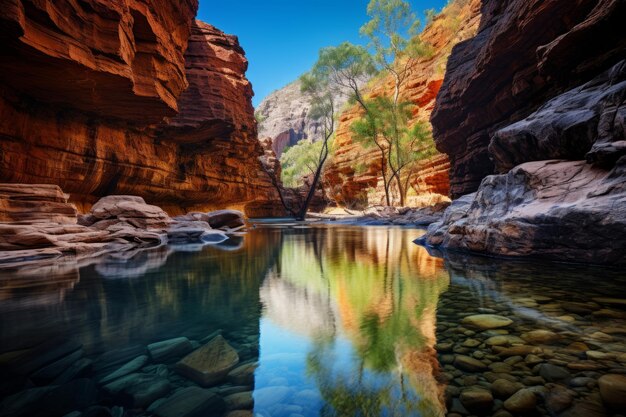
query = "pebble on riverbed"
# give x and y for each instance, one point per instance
(566, 364)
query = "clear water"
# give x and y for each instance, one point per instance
(341, 321)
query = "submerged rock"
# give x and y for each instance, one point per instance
(468, 363)
(540, 336)
(77, 369)
(138, 390)
(169, 349)
(522, 401)
(44, 354)
(243, 374)
(54, 369)
(190, 402)
(75, 395)
(553, 373)
(210, 363)
(477, 400)
(613, 390)
(487, 321)
(239, 401)
(132, 366)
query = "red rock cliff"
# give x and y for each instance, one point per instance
(363, 186)
(128, 97)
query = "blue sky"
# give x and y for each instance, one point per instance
(282, 37)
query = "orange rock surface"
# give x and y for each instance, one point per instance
(352, 187)
(128, 97)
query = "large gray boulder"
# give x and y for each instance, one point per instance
(562, 195)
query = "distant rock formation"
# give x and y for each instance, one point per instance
(542, 102)
(129, 97)
(355, 187)
(284, 117)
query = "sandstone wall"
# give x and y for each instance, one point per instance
(363, 186)
(107, 98)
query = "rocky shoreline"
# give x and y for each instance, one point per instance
(383, 216)
(39, 226)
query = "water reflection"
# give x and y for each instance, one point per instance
(366, 299)
(329, 321)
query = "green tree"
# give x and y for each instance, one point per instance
(321, 99)
(299, 161)
(346, 66)
(386, 121)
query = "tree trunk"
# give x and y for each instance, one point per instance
(309, 197)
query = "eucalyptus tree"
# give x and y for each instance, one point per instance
(321, 99)
(347, 66)
(393, 37)
(392, 31)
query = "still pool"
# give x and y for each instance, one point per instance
(292, 321)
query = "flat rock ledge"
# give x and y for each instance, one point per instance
(559, 210)
(38, 225)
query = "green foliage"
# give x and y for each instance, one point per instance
(389, 20)
(430, 15)
(343, 66)
(259, 117)
(298, 161)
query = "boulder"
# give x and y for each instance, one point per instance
(132, 210)
(530, 210)
(35, 203)
(229, 219)
(210, 363)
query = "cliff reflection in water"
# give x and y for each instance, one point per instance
(365, 300)
(157, 294)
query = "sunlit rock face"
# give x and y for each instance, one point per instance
(127, 98)
(553, 129)
(354, 175)
(284, 116)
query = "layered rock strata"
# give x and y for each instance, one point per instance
(116, 223)
(354, 174)
(569, 209)
(128, 98)
(525, 53)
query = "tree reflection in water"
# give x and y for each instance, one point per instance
(380, 291)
